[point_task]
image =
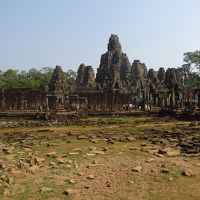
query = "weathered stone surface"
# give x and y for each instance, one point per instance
(74, 153)
(33, 169)
(114, 44)
(94, 165)
(171, 78)
(81, 75)
(98, 152)
(115, 69)
(71, 181)
(168, 151)
(161, 74)
(137, 168)
(85, 76)
(46, 189)
(58, 83)
(82, 137)
(150, 160)
(187, 172)
(130, 138)
(125, 70)
(69, 191)
(138, 71)
(133, 148)
(91, 176)
(89, 76)
(151, 74)
(51, 154)
(80, 174)
(2, 164)
(165, 170)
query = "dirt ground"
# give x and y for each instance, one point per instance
(120, 159)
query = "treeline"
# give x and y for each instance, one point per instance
(40, 79)
(34, 78)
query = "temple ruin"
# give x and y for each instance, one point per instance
(117, 87)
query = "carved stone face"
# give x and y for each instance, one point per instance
(170, 77)
(114, 66)
(58, 83)
(81, 72)
(161, 74)
(114, 44)
(151, 74)
(85, 76)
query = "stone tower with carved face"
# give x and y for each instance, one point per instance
(58, 83)
(115, 69)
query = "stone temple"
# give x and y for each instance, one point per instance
(117, 87)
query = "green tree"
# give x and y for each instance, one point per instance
(191, 69)
(46, 77)
(11, 79)
(2, 80)
(193, 59)
(34, 78)
(70, 77)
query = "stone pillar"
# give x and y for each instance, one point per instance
(196, 99)
(156, 101)
(168, 99)
(181, 100)
(162, 102)
(47, 104)
(172, 98)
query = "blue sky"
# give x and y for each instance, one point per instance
(42, 33)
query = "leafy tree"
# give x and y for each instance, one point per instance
(34, 78)
(193, 59)
(46, 77)
(2, 82)
(11, 79)
(191, 69)
(70, 77)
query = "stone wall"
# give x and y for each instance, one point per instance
(23, 99)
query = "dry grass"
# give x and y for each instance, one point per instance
(113, 180)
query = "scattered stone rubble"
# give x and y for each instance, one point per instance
(158, 144)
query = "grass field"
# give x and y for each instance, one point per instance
(96, 162)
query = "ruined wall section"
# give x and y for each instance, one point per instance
(23, 99)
